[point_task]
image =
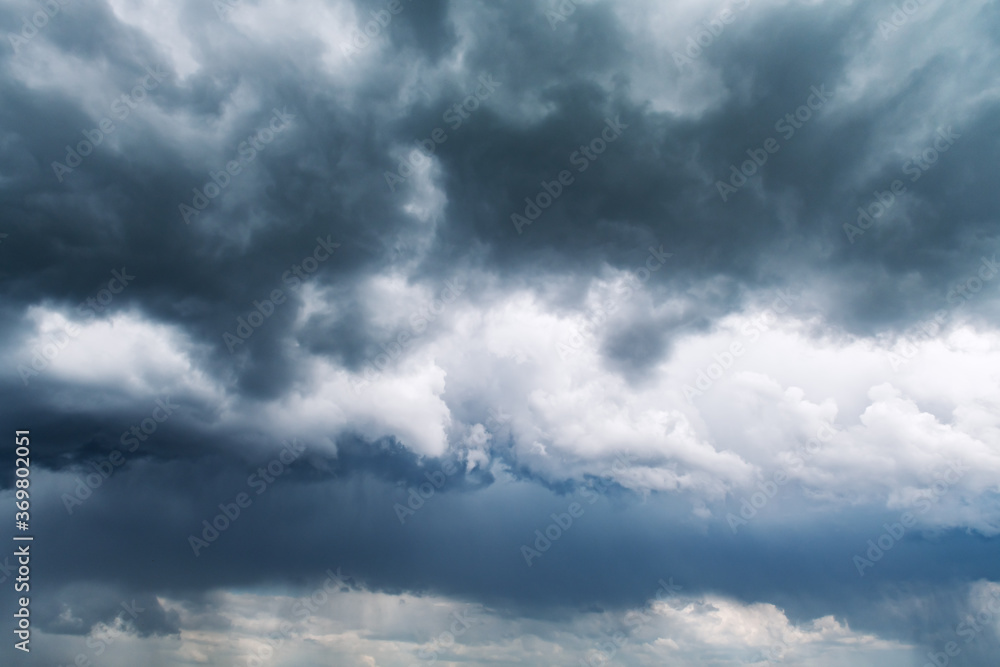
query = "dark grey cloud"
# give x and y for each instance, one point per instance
(323, 178)
(465, 542)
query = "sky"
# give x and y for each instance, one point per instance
(394, 333)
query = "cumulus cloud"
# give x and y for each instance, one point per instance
(675, 289)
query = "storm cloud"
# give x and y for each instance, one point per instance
(398, 331)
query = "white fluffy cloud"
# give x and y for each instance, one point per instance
(707, 421)
(362, 628)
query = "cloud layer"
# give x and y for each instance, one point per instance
(660, 333)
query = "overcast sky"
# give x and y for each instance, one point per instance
(381, 333)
